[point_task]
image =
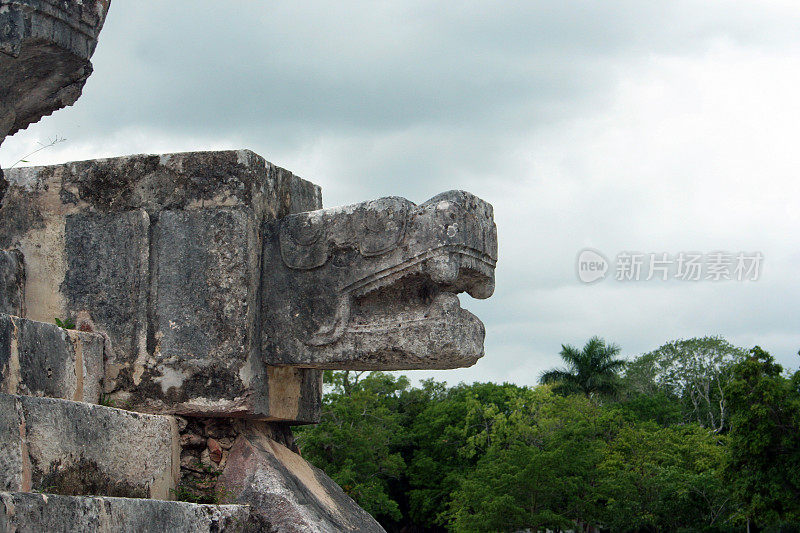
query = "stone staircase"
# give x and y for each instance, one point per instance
(73, 465)
(77, 448)
(69, 464)
(207, 292)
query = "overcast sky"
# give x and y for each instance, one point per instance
(651, 127)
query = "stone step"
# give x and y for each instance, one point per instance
(40, 359)
(22, 512)
(76, 448)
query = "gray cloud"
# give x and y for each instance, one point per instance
(626, 125)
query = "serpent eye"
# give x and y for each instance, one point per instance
(304, 230)
(384, 223)
(302, 241)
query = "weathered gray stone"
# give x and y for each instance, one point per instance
(11, 467)
(106, 279)
(45, 46)
(40, 200)
(36, 513)
(205, 281)
(76, 448)
(373, 285)
(38, 359)
(12, 282)
(155, 183)
(161, 254)
(287, 493)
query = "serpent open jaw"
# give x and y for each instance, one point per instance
(374, 285)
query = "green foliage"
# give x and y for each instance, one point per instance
(184, 493)
(763, 467)
(693, 371)
(107, 401)
(357, 439)
(537, 468)
(451, 421)
(592, 371)
(193, 491)
(660, 408)
(654, 478)
(490, 457)
(67, 323)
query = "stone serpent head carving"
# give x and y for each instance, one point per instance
(374, 285)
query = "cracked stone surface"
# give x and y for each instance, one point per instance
(39, 359)
(34, 513)
(75, 448)
(286, 492)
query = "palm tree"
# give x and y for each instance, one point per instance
(592, 371)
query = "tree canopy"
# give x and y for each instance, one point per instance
(694, 371)
(763, 462)
(593, 370)
(501, 457)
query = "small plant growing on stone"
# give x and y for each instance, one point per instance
(194, 491)
(106, 401)
(67, 323)
(187, 492)
(50, 142)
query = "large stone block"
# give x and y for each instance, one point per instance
(106, 280)
(374, 285)
(22, 512)
(12, 282)
(161, 254)
(286, 492)
(40, 200)
(76, 448)
(39, 359)
(206, 264)
(155, 183)
(204, 283)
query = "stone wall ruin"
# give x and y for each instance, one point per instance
(165, 319)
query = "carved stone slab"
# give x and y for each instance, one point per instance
(45, 46)
(30, 512)
(77, 448)
(374, 285)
